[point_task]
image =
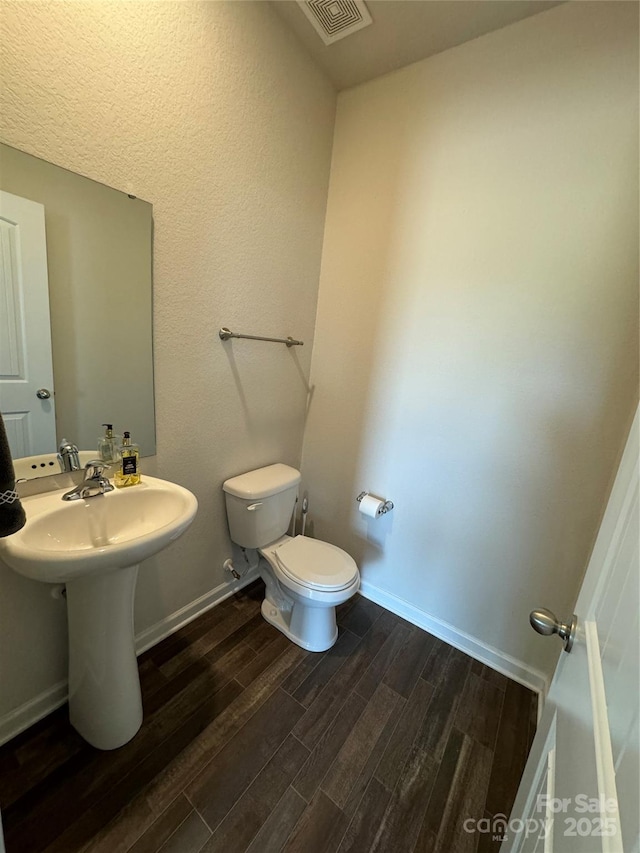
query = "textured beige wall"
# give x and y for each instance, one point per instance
(212, 112)
(476, 350)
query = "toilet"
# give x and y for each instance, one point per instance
(305, 578)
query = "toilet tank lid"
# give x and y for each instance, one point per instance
(262, 482)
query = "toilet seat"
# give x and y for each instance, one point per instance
(315, 564)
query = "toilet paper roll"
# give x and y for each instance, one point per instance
(371, 507)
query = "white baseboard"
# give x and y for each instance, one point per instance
(480, 651)
(35, 709)
(172, 623)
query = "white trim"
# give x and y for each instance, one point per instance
(606, 773)
(191, 611)
(540, 776)
(480, 651)
(49, 700)
(551, 792)
(35, 709)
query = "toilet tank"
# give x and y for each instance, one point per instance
(260, 504)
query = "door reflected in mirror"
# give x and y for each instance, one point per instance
(76, 346)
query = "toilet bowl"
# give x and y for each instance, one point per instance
(313, 578)
(305, 579)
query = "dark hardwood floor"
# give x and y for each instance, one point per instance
(387, 742)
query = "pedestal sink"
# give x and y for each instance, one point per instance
(94, 546)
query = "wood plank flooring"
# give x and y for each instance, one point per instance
(387, 742)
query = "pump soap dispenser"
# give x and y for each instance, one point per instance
(109, 446)
(128, 471)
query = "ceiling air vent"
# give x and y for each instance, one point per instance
(335, 19)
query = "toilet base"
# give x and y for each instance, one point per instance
(311, 628)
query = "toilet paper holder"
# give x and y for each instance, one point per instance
(387, 506)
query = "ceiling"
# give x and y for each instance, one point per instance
(404, 31)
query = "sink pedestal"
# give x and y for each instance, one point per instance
(95, 546)
(105, 704)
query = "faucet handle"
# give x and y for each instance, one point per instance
(94, 469)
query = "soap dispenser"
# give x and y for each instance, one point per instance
(128, 470)
(109, 446)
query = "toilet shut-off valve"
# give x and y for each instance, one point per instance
(229, 567)
(249, 564)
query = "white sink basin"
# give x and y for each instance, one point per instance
(63, 540)
(94, 547)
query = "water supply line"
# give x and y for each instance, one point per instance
(229, 567)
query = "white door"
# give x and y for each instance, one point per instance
(580, 790)
(26, 368)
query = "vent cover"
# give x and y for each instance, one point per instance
(335, 19)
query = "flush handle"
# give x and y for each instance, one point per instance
(254, 507)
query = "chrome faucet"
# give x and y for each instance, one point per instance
(94, 482)
(68, 456)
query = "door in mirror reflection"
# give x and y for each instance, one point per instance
(26, 365)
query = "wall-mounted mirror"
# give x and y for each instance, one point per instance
(75, 310)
